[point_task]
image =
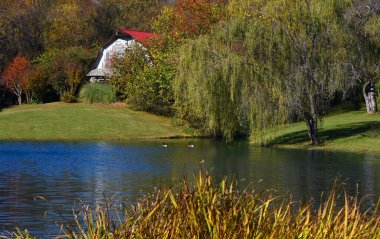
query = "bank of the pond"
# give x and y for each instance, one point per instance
(354, 131)
(60, 121)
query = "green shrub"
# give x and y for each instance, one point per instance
(144, 84)
(97, 93)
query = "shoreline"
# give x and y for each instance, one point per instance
(142, 139)
(353, 131)
(324, 149)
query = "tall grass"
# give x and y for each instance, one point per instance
(206, 210)
(97, 93)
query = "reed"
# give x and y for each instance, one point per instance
(97, 93)
(208, 211)
(205, 210)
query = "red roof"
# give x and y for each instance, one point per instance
(139, 35)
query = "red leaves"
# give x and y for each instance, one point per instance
(16, 76)
(16, 72)
(192, 18)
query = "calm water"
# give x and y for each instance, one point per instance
(90, 171)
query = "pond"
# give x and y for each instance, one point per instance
(66, 172)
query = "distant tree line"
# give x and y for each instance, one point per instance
(228, 68)
(60, 40)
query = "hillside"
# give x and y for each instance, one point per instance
(60, 121)
(352, 131)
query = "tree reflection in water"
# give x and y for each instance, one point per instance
(65, 172)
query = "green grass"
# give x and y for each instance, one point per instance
(353, 131)
(60, 121)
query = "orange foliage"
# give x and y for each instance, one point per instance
(191, 18)
(15, 76)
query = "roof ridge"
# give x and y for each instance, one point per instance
(132, 30)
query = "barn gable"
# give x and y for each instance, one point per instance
(123, 40)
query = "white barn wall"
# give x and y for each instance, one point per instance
(116, 48)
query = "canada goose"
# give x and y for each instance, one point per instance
(190, 145)
(164, 145)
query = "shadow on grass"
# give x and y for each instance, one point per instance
(368, 129)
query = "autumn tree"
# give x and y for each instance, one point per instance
(21, 28)
(74, 77)
(70, 23)
(108, 17)
(190, 18)
(136, 14)
(16, 76)
(58, 73)
(40, 85)
(68, 67)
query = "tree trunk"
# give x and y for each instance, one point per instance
(19, 99)
(312, 121)
(28, 97)
(17, 90)
(369, 93)
(312, 126)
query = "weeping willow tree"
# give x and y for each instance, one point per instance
(317, 56)
(248, 75)
(223, 90)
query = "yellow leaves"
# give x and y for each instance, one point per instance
(69, 25)
(74, 76)
(247, 9)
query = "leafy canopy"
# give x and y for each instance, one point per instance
(250, 74)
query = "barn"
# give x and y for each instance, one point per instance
(122, 40)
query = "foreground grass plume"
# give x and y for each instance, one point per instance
(206, 210)
(97, 93)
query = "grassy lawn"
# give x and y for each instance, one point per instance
(60, 121)
(352, 131)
